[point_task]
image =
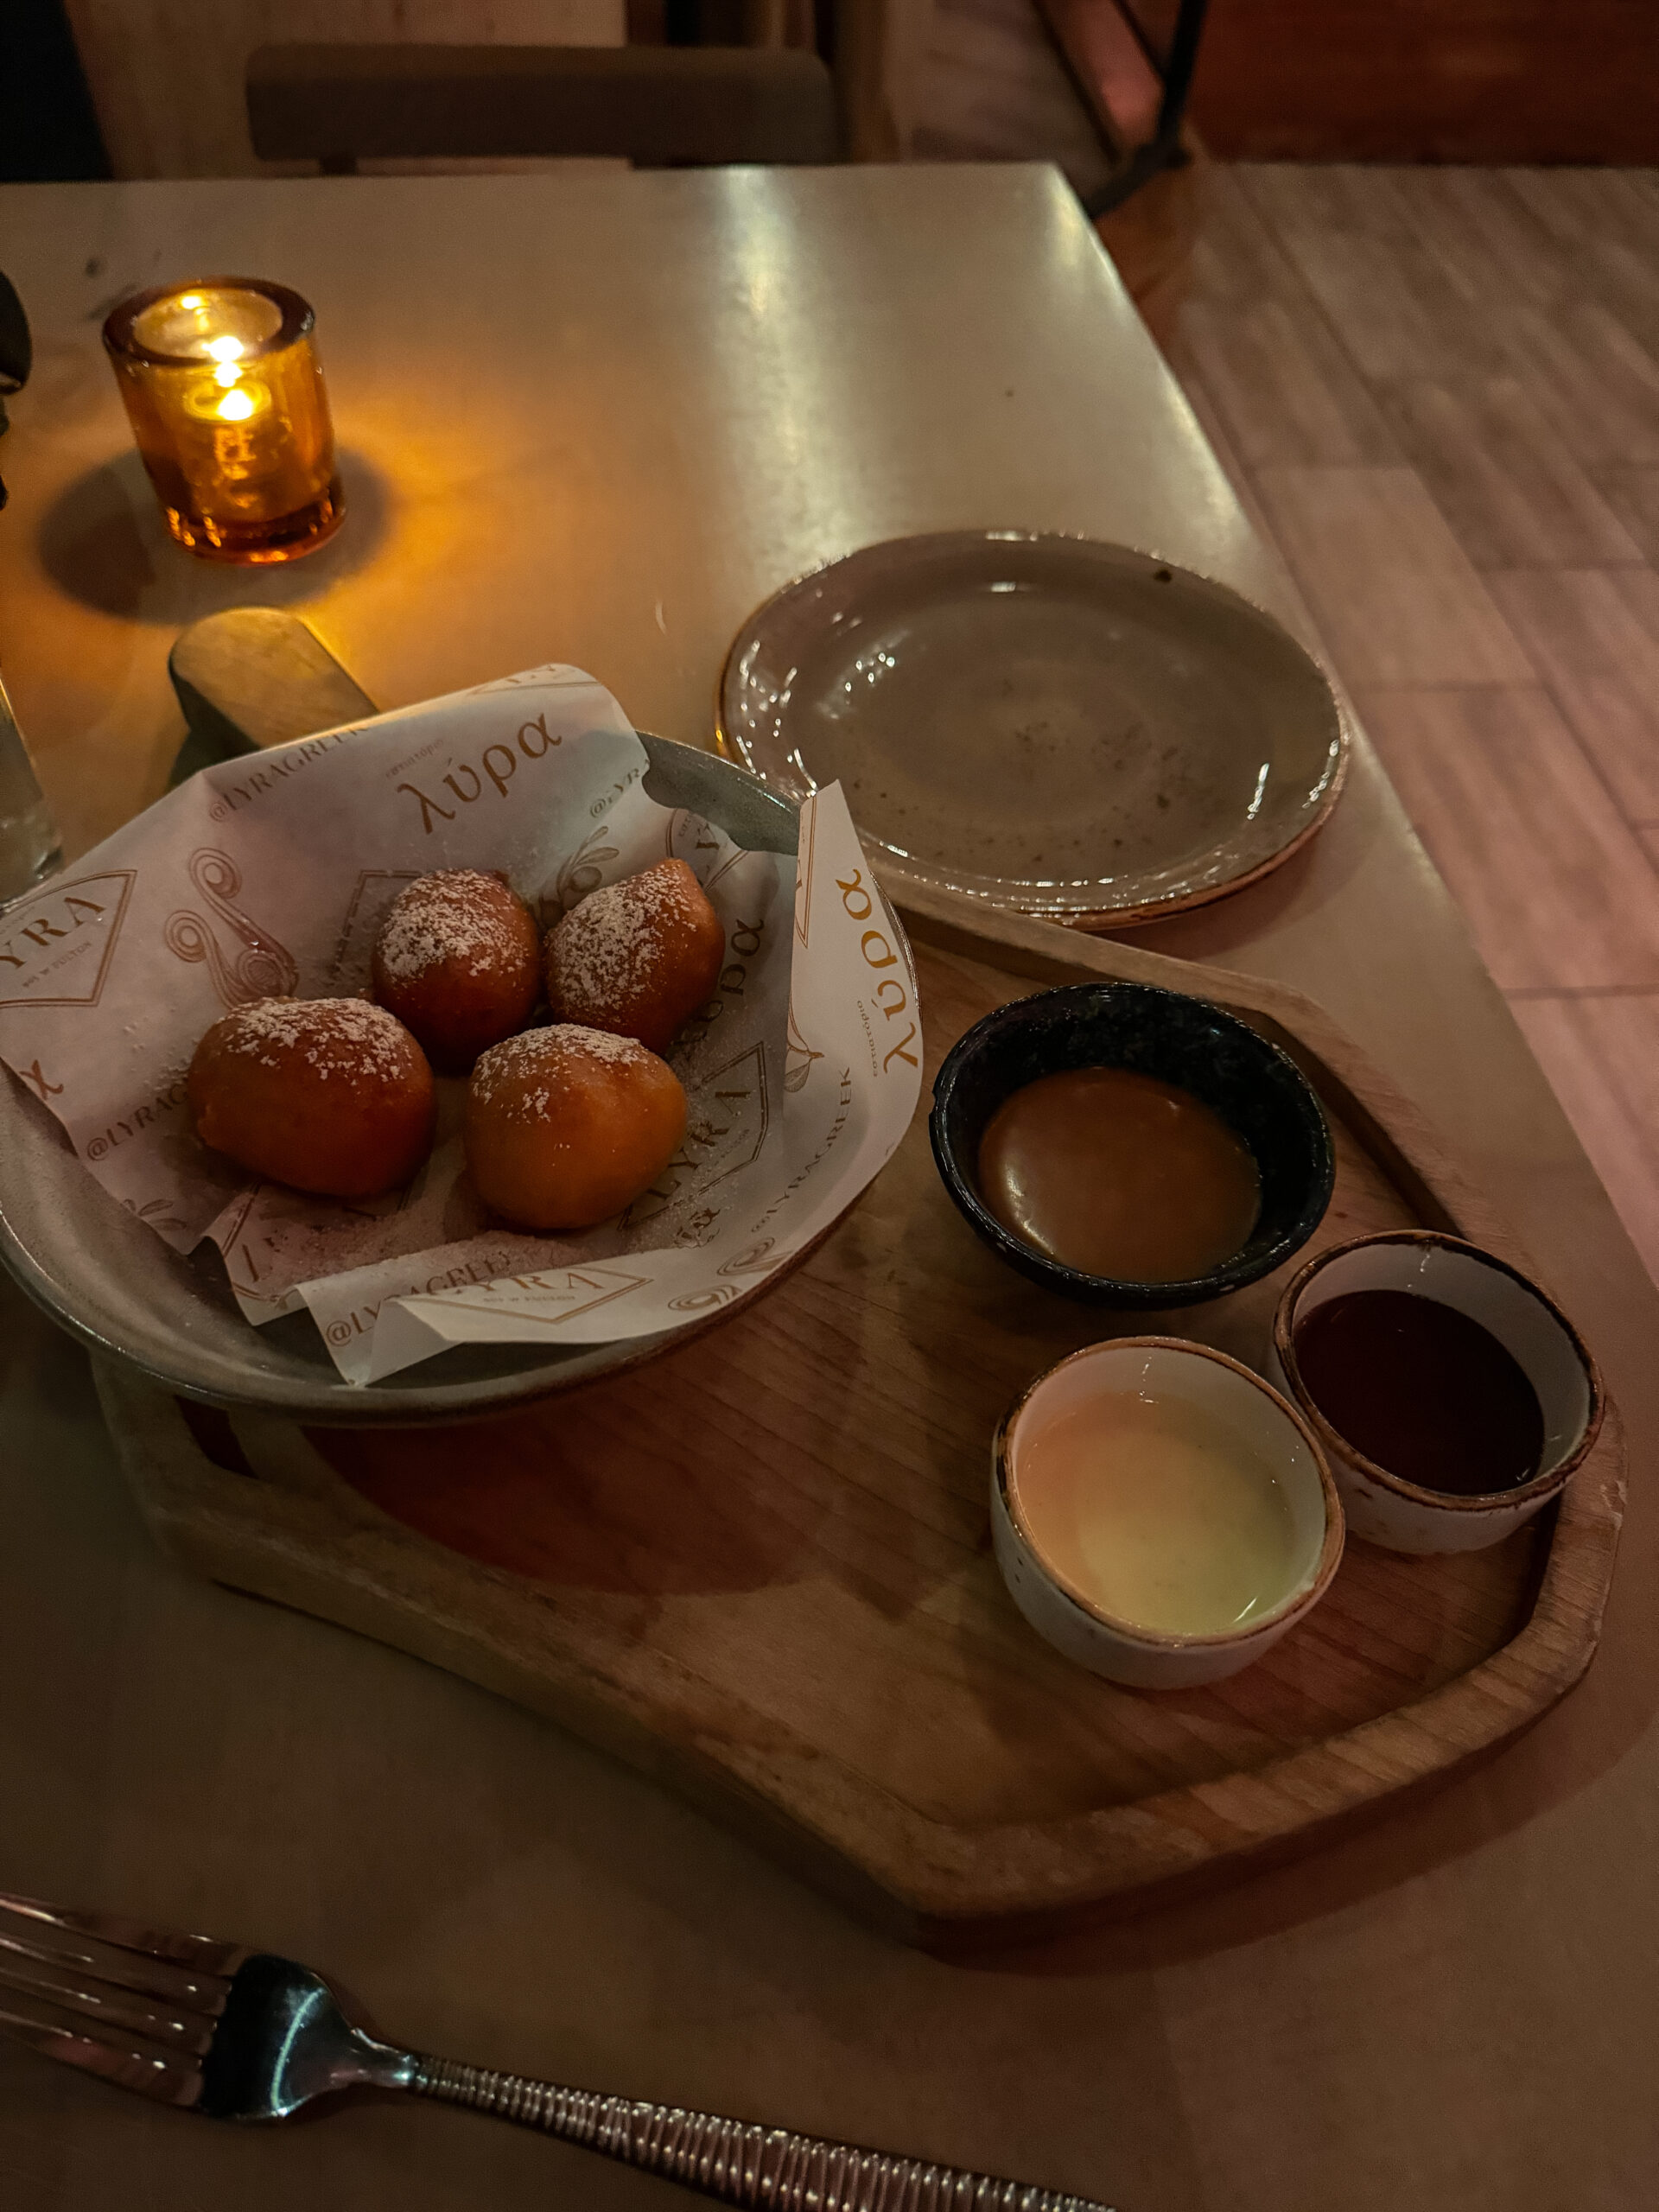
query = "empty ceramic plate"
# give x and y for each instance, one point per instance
(1050, 724)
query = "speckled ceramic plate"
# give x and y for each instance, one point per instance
(1050, 724)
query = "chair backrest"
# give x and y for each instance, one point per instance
(656, 105)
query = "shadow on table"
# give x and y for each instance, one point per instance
(104, 542)
(1230, 925)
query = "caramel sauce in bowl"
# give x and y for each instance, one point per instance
(1159, 1514)
(1130, 1146)
(1118, 1175)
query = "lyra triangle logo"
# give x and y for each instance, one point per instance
(55, 948)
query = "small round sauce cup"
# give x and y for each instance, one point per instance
(1168, 1371)
(1383, 1507)
(1256, 1092)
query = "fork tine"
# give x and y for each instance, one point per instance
(176, 2030)
(201, 1952)
(169, 2080)
(198, 1993)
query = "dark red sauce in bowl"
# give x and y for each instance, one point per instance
(1421, 1390)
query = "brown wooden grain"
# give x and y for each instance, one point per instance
(760, 1567)
(1396, 80)
(1585, 629)
(1557, 891)
(1392, 592)
(1599, 1050)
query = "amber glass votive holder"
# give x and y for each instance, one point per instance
(226, 396)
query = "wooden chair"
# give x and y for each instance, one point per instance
(656, 105)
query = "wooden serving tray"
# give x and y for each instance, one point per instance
(760, 1566)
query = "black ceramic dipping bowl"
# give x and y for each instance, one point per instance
(1262, 1096)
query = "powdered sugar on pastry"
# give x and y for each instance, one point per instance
(441, 920)
(610, 945)
(508, 1064)
(638, 957)
(333, 1036)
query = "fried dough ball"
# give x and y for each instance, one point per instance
(458, 960)
(327, 1095)
(567, 1126)
(637, 959)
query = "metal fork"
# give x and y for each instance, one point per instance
(237, 2034)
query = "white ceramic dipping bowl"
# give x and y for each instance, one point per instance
(1382, 1506)
(1163, 1368)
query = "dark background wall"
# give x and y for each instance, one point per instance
(48, 128)
(1434, 80)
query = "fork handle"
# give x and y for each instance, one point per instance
(734, 2160)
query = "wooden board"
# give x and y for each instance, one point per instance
(760, 1567)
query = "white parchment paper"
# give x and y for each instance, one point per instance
(270, 876)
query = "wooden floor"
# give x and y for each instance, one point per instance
(1437, 391)
(993, 87)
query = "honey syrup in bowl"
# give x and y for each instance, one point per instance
(1116, 1173)
(1160, 1513)
(1130, 1146)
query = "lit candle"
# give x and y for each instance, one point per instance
(225, 393)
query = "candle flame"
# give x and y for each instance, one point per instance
(235, 407)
